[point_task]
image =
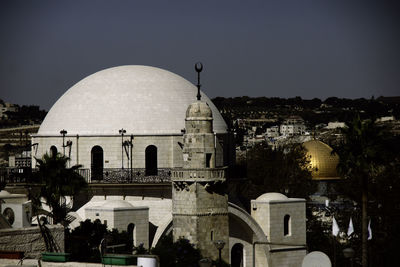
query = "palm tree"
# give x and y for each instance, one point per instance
(360, 161)
(57, 181)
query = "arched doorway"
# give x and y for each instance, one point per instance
(131, 234)
(237, 255)
(151, 160)
(97, 163)
(53, 151)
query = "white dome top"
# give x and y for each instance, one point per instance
(141, 99)
(117, 204)
(271, 196)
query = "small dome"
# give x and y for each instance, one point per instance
(4, 193)
(323, 162)
(117, 204)
(198, 110)
(272, 196)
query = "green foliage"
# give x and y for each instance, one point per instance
(284, 170)
(370, 163)
(57, 181)
(83, 242)
(176, 254)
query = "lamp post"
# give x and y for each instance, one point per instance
(131, 172)
(121, 132)
(219, 244)
(63, 133)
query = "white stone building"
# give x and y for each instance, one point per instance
(165, 142)
(292, 126)
(122, 118)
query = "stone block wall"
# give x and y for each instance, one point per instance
(202, 218)
(120, 219)
(297, 225)
(290, 258)
(168, 150)
(270, 216)
(30, 240)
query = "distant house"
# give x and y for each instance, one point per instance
(273, 131)
(385, 119)
(7, 107)
(335, 125)
(293, 125)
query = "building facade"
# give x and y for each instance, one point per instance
(136, 126)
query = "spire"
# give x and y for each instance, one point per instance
(198, 67)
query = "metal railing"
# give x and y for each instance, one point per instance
(215, 173)
(106, 176)
(118, 175)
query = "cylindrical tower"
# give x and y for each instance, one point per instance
(200, 204)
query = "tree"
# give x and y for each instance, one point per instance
(83, 241)
(176, 254)
(284, 170)
(360, 160)
(57, 181)
(370, 164)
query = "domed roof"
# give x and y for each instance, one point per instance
(140, 99)
(272, 196)
(117, 204)
(199, 110)
(323, 162)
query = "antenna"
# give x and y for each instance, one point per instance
(198, 67)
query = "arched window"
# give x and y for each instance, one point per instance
(97, 163)
(237, 255)
(151, 160)
(286, 225)
(131, 233)
(53, 151)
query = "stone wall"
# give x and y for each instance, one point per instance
(290, 258)
(169, 153)
(202, 218)
(30, 240)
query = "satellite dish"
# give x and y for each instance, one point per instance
(316, 259)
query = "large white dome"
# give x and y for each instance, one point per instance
(141, 99)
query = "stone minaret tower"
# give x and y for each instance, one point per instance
(199, 201)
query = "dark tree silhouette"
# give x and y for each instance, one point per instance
(57, 181)
(284, 170)
(361, 161)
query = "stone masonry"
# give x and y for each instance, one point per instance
(199, 201)
(30, 240)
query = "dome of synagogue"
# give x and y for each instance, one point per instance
(271, 196)
(141, 99)
(323, 162)
(199, 110)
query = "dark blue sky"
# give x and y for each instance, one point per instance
(277, 48)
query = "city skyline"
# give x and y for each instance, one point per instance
(263, 48)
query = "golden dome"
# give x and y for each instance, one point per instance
(323, 163)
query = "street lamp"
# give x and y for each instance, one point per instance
(121, 132)
(63, 133)
(219, 244)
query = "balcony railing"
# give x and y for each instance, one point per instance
(106, 176)
(117, 175)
